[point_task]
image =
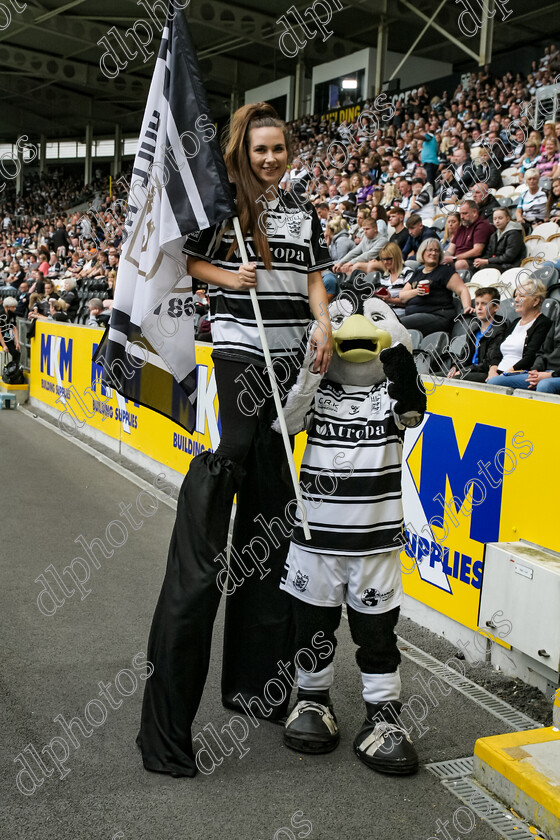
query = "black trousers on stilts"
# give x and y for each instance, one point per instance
(259, 629)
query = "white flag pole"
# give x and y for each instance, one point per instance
(274, 384)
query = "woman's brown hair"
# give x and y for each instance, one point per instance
(249, 188)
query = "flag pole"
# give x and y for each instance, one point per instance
(274, 384)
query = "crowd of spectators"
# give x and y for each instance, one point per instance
(409, 203)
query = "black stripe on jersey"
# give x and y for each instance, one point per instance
(334, 444)
(362, 544)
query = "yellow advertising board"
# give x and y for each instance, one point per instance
(479, 469)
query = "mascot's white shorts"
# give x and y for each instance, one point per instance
(368, 584)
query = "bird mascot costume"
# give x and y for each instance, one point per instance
(355, 416)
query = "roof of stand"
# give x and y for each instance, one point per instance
(51, 82)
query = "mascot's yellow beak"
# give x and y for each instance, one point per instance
(358, 340)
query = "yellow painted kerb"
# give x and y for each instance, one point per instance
(506, 755)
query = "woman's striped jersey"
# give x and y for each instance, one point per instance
(351, 472)
(298, 247)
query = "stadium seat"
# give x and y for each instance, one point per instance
(547, 274)
(551, 308)
(506, 201)
(436, 342)
(509, 280)
(465, 274)
(416, 337)
(554, 292)
(511, 176)
(439, 223)
(423, 362)
(554, 241)
(545, 183)
(505, 192)
(541, 249)
(458, 351)
(507, 309)
(547, 230)
(487, 276)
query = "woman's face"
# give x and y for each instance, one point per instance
(432, 255)
(550, 147)
(452, 225)
(268, 155)
(388, 263)
(531, 150)
(556, 187)
(360, 218)
(500, 219)
(533, 183)
(525, 303)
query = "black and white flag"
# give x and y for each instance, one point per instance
(179, 186)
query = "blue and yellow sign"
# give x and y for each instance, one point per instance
(479, 469)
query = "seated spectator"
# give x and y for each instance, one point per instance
(417, 234)
(70, 298)
(471, 239)
(553, 203)
(506, 246)
(390, 195)
(57, 312)
(463, 174)
(523, 339)
(9, 339)
(37, 297)
(428, 294)
(338, 238)
(366, 190)
(451, 227)
(369, 247)
(531, 209)
(356, 231)
(485, 201)
(422, 200)
(405, 192)
(395, 275)
(484, 334)
(395, 217)
(97, 318)
(531, 157)
(379, 214)
(548, 165)
(322, 209)
(486, 171)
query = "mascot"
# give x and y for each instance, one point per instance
(355, 417)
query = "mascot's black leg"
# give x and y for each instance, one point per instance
(383, 743)
(311, 726)
(181, 633)
(259, 631)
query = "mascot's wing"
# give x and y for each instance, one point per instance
(301, 397)
(405, 386)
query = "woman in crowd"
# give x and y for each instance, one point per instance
(379, 213)
(506, 246)
(249, 453)
(394, 278)
(548, 165)
(339, 243)
(390, 194)
(524, 337)
(531, 157)
(356, 231)
(451, 227)
(428, 293)
(365, 192)
(531, 209)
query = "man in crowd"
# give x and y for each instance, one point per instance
(471, 239)
(485, 201)
(97, 317)
(368, 249)
(416, 235)
(463, 176)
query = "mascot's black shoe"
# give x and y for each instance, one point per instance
(311, 727)
(383, 743)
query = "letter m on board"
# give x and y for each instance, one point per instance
(442, 460)
(56, 351)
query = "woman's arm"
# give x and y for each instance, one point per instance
(244, 278)
(455, 284)
(407, 293)
(322, 337)
(536, 336)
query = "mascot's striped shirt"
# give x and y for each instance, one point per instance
(351, 472)
(298, 247)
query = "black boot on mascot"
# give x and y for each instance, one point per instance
(357, 412)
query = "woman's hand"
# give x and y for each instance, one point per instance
(322, 344)
(493, 371)
(480, 263)
(245, 277)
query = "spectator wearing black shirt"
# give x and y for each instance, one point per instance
(485, 201)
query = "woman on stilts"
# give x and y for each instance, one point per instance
(285, 243)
